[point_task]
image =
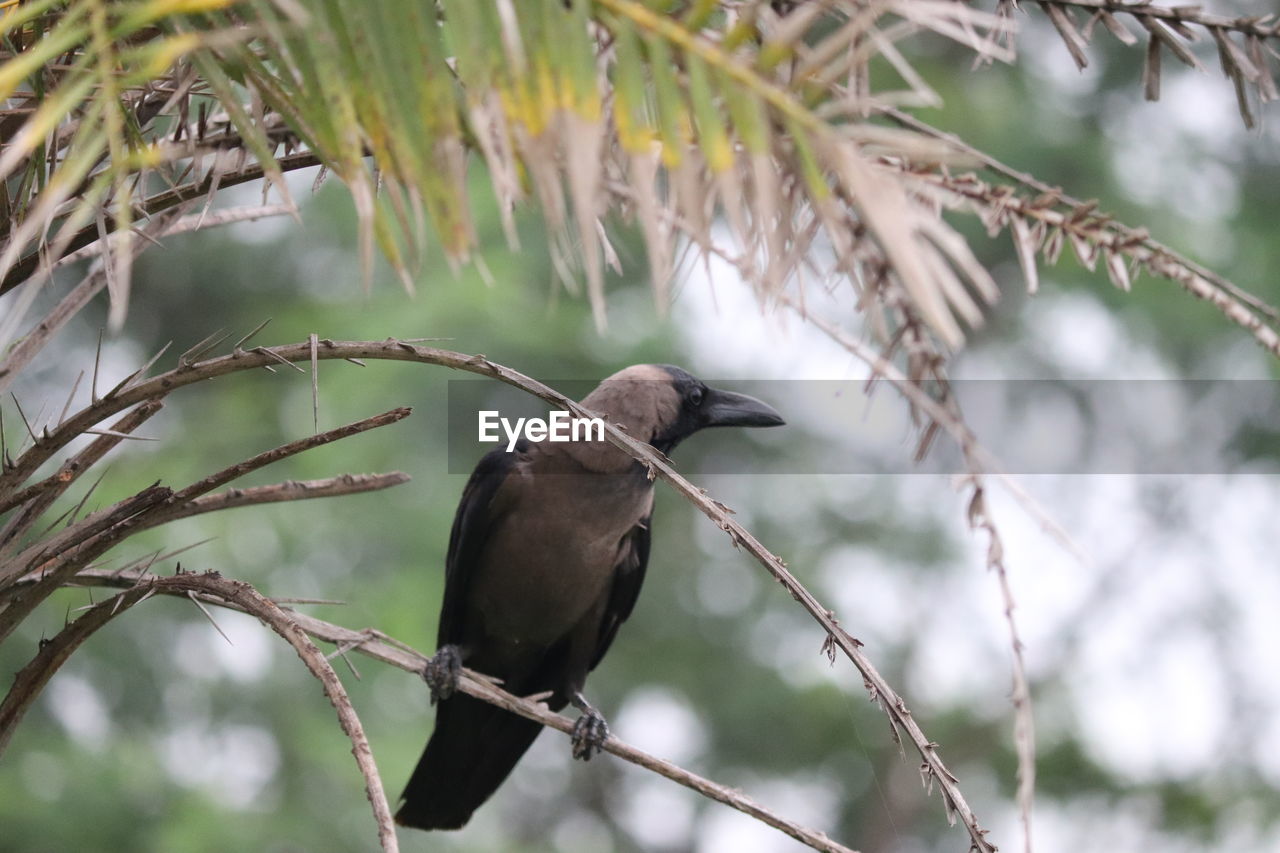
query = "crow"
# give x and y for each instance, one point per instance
(546, 558)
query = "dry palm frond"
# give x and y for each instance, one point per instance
(1243, 43)
(118, 110)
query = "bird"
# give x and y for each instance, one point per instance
(546, 558)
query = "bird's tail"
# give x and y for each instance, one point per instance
(472, 749)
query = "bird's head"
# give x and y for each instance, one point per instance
(663, 405)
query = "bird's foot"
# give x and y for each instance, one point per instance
(441, 673)
(589, 732)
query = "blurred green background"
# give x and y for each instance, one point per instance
(1151, 661)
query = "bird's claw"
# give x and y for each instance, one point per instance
(441, 673)
(589, 734)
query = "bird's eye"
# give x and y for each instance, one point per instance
(695, 397)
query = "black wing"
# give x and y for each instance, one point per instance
(628, 576)
(471, 527)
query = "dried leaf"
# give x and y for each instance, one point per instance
(1151, 70)
(1119, 30)
(1161, 32)
(1118, 270)
(1070, 36)
(1026, 247)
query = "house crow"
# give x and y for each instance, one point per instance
(546, 558)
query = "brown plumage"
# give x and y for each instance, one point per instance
(546, 558)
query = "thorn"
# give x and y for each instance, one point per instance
(84, 500)
(97, 360)
(341, 651)
(115, 434)
(193, 354)
(356, 362)
(191, 595)
(23, 415)
(278, 358)
(67, 407)
(315, 382)
(256, 329)
(142, 371)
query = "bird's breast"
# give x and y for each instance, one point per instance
(550, 560)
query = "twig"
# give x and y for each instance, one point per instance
(42, 495)
(293, 490)
(378, 646)
(90, 286)
(1136, 236)
(25, 267)
(292, 448)
(1253, 25)
(979, 463)
(81, 532)
(63, 555)
(53, 653)
(1024, 736)
(1091, 228)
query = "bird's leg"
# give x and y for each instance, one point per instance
(441, 672)
(590, 731)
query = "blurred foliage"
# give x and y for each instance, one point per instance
(158, 736)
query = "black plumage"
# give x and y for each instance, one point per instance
(546, 559)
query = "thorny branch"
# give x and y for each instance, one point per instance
(1245, 63)
(164, 200)
(380, 647)
(1250, 25)
(1045, 223)
(136, 389)
(217, 589)
(73, 549)
(945, 414)
(294, 490)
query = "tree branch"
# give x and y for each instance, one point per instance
(380, 647)
(1252, 25)
(234, 472)
(1093, 235)
(77, 298)
(214, 588)
(293, 490)
(26, 266)
(163, 224)
(73, 553)
(881, 692)
(42, 494)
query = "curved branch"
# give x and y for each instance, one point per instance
(881, 692)
(158, 506)
(381, 647)
(39, 496)
(31, 680)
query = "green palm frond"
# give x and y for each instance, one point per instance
(680, 115)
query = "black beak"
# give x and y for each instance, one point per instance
(727, 408)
